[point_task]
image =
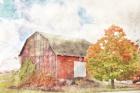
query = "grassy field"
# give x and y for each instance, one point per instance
(70, 90)
(6, 81)
(4, 90)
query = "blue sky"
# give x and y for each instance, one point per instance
(72, 18)
(8, 10)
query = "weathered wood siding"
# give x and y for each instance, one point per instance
(65, 66)
(39, 51)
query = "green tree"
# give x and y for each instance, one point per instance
(113, 56)
(25, 72)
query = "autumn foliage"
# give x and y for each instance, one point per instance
(113, 56)
(29, 77)
(114, 41)
(41, 80)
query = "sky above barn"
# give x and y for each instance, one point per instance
(72, 18)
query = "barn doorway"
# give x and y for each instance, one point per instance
(79, 69)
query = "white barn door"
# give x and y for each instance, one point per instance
(79, 69)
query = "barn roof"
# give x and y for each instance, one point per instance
(66, 46)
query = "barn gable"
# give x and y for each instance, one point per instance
(26, 49)
(36, 45)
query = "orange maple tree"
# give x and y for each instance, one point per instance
(113, 56)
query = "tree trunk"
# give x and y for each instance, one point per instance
(112, 84)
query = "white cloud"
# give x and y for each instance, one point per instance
(55, 18)
(1, 1)
(8, 42)
(9, 64)
(64, 19)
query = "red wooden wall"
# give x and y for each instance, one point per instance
(65, 66)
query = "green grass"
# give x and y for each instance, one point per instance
(6, 81)
(71, 90)
(5, 90)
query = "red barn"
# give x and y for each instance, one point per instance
(53, 54)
